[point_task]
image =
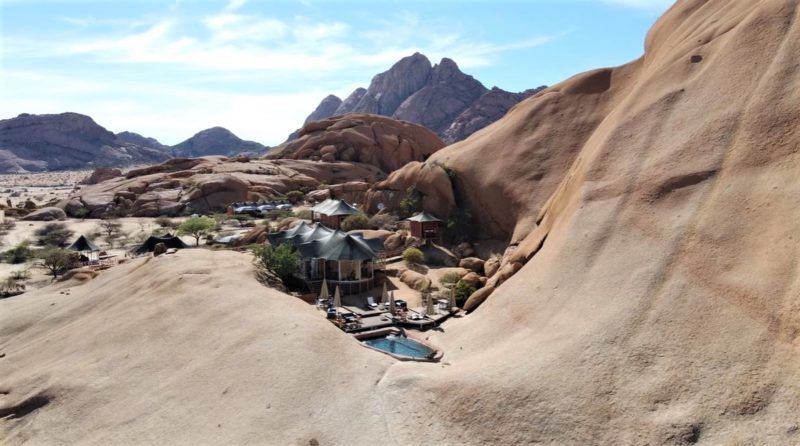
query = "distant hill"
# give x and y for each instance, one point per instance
(440, 97)
(30, 143)
(216, 141)
(135, 138)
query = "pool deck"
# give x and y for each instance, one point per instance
(375, 319)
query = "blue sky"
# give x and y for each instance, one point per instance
(169, 69)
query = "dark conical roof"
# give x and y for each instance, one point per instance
(84, 244)
(169, 240)
(341, 246)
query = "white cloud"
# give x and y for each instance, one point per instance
(168, 112)
(235, 5)
(171, 76)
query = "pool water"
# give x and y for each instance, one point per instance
(398, 345)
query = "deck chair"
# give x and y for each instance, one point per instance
(371, 302)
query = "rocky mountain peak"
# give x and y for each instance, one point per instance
(413, 90)
(325, 109)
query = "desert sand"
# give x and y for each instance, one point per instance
(656, 209)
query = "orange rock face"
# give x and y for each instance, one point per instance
(370, 139)
(346, 155)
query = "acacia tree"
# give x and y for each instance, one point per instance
(111, 227)
(281, 260)
(57, 260)
(197, 227)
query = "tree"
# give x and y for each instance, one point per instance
(197, 227)
(459, 226)
(411, 203)
(295, 196)
(111, 227)
(53, 234)
(353, 222)
(281, 260)
(413, 256)
(57, 260)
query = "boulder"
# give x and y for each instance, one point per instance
(316, 196)
(438, 255)
(415, 280)
(46, 214)
(491, 266)
(102, 174)
(472, 264)
(472, 278)
(362, 138)
(257, 235)
(477, 298)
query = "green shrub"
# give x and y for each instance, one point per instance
(353, 222)
(295, 196)
(281, 260)
(463, 291)
(53, 234)
(18, 254)
(305, 214)
(413, 256)
(450, 279)
(411, 203)
(20, 275)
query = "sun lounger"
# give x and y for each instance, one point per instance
(371, 302)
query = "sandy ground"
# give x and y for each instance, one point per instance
(135, 230)
(184, 349)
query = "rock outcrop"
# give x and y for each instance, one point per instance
(216, 141)
(340, 157)
(207, 184)
(30, 143)
(370, 139)
(46, 214)
(139, 140)
(102, 174)
(435, 96)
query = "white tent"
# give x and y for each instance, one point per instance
(430, 310)
(337, 298)
(384, 295)
(324, 294)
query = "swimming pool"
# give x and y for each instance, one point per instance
(400, 346)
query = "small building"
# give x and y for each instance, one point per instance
(344, 260)
(425, 226)
(88, 251)
(331, 212)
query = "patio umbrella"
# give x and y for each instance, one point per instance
(430, 309)
(337, 298)
(452, 298)
(323, 292)
(384, 295)
(391, 302)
